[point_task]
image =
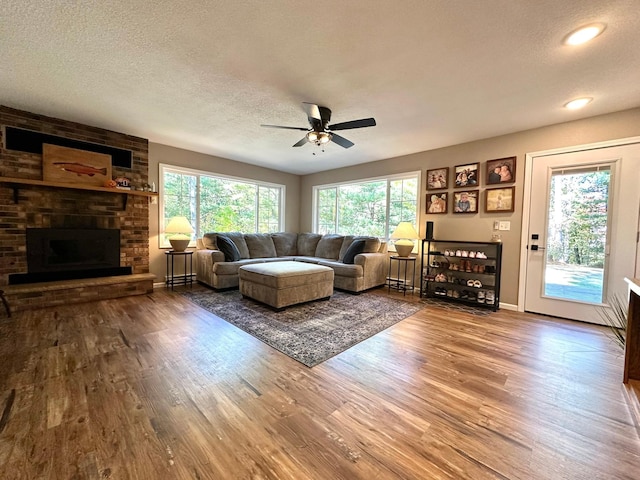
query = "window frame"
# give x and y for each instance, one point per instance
(176, 169)
(388, 178)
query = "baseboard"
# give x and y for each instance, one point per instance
(508, 306)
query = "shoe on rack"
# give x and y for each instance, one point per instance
(458, 253)
(481, 255)
(472, 254)
(449, 293)
(465, 253)
(456, 294)
(491, 299)
(472, 296)
(481, 296)
(470, 283)
(477, 284)
(465, 294)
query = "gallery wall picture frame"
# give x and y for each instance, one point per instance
(499, 199)
(466, 201)
(467, 176)
(437, 203)
(501, 170)
(438, 178)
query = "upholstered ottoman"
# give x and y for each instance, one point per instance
(281, 284)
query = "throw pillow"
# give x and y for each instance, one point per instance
(356, 247)
(226, 246)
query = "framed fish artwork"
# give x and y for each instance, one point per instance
(70, 165)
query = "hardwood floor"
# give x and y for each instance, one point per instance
(153, 387)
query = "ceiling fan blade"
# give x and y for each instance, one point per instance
(301, 142)
(343, 142)
(287, 128)
(313, 111)
(365, 122)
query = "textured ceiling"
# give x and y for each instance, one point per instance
(203, 75)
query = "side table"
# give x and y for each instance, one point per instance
(406, 282)
(187, 278)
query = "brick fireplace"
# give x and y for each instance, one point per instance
(24, 206)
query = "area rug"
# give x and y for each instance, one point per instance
(311, 332)
(456, 307)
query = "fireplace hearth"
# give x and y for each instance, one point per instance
(70, 253)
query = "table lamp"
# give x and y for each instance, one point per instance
(179, 227)
(404, 234)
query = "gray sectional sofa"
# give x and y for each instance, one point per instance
(368, 270)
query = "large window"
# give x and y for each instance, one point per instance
(368, 207)
(215, 203)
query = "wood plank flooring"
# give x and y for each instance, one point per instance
(153, 387)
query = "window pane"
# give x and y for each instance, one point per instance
(179, 198)
(269, 209)
(222, 204)
(577, 235)
(326, 213)
(227, 205)
(362, 209)
(367, 208)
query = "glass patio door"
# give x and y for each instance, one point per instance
(582, 231)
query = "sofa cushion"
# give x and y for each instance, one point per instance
(356, 247)
(329, 246)
(226, 246)
(231, 268)
(209, 241)
(238, 239)
(286, 243)
(260, 245)
(372, 244)
(307, 243)
(342, 270)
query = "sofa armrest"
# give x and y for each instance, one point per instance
(216, 255)
(374, 266)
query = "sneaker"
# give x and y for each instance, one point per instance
(470, 283)
(480, 296)
(465, 253)
(458, 253)
(490, 297)
(477, 284)
(449, 293)
(472, 254)
(481, 255)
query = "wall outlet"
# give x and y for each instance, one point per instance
(504, 225)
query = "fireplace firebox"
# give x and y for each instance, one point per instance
(70, 253)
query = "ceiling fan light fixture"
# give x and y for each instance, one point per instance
(319, 138)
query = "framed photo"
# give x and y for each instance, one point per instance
(501, 170)
(499, 199)
(437, 202)
(467, 175)
(438, 178)
(465, 202)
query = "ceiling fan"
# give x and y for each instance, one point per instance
(321, 132)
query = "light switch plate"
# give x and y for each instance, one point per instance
(496, 225)
(506, 225)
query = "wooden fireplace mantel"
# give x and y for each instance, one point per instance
(42, 183)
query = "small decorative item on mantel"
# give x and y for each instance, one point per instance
(122, 183)
(110, 184)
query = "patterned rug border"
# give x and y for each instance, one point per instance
(310, 333)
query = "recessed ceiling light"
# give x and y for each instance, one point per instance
(584, 34)
(577, 103)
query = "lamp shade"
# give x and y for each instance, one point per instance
(404, 236)
(179, 227)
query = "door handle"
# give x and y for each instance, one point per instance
(536, 247)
